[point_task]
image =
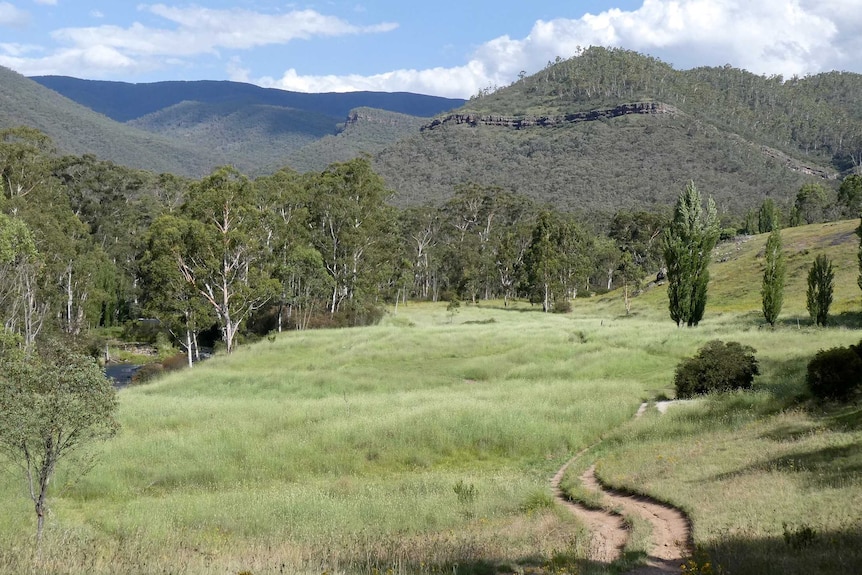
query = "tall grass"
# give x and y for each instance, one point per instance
(343, 450)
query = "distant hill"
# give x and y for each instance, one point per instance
(123, 101)
(256, 129)
(366, 131)
(613, 129)
(76, 129)
(256, 138)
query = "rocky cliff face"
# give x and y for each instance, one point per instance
(547, 121)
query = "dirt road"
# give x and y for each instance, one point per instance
(671, 529)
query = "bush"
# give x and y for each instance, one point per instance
(835, 373)
(718, 366)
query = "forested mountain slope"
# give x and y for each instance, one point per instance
(366, 131)
(557, 136)
(75, 129)
(123, 101)
(255, 138)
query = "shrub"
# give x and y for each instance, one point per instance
(835, 373)
(718, 366)
(562, 305)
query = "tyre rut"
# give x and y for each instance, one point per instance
(671, 529)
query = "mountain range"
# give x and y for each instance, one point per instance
(606, 130)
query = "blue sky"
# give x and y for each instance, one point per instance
(441, 47)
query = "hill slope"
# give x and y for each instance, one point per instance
(613, 129)
(123, 101)
(78, 130)
(255, 138)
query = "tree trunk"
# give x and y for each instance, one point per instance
(189, 347)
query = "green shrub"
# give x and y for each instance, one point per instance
(835, 373)
(718, 366)
(562, 305)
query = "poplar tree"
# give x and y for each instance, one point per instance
(772, 291)
(821, 282)
(688, 245)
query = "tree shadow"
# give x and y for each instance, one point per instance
(801, 550)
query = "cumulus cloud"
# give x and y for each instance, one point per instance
(12, 16)
(787, 37)
(193, 30)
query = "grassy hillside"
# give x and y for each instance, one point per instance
(426, 444)
(742, 137)
(78, 130)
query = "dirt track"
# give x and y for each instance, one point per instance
(671, 529)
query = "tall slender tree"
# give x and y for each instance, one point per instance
(688, 245)
(772, 291)
(821, 283)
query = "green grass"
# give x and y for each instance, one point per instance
(340, 450)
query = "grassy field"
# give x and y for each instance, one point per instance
(426, 444)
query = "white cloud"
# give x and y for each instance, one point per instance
(18, 50)
(102, 50)
(787, 37)
(236, 72)
(202, 30)
(12, 16)
(46, 2)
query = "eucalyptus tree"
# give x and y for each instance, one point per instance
(543, 261)
(850, 195)
(688, 245)
(421, 234)
(69, 256)
(22, 308)
(353, 229)
(23, 165)
(282, 202)
(54, 404)
(223, 251)
(631, 275)
(166, 295)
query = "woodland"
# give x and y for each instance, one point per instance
(456, 226)
(108, 244)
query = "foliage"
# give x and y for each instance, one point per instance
(701, 563)
(812, 200)
(717, 367)
(835, 373)
(768, 216)
(821, 284)
(798, 538)
(688, 245)
(850, 196)
(53, 405)
(772, 290)
(222, 250)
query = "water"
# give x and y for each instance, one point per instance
(121, 373)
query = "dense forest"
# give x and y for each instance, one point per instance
(86, 243)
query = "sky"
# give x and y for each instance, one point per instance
(439, 47)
